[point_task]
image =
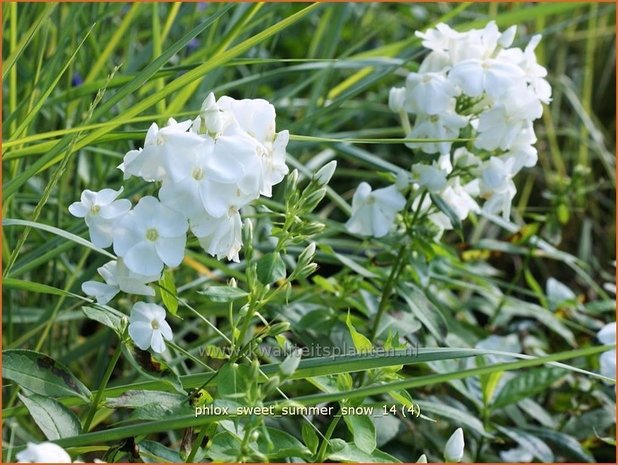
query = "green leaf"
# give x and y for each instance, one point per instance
(155, 452)
(281, 445)
(566, 444)
(138, 398)
(457, 416)
(270, 268)
(445, 208)
(363, 431)
(59, 232)
(41, 374)
(350, 453)
(12, 283)
(152, 367)
(527, 385)
(224, 293)
(529, 442)
(224, 447)
(107, 316)
(429, 315)
(168, 291)
(55, 420)
(310, 437)
(361, 343)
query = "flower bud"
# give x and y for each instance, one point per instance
(290, 364)
(454, 449)
(325, 173)
(307, 254)
(396, 99)
(313, 199)
(211, 116)
(506, 38)
(422, 459)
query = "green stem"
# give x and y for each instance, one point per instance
(196, 444)
(329, 432)
(388, 287)
(101, 390)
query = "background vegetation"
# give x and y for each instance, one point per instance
(81, 83)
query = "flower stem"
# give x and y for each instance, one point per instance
(101, 390)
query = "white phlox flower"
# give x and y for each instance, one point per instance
(153, 162)
(148, 328)
(444, 126)
(149, 236)
(429, 93)
(44, 452)
(489, 75)
(256, 117)
(430, 176)
(100, 210)
(607, 335)
(219, 236)
(118, 278)
(373, 213)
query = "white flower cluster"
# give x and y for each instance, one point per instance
(471, 84)
(208, 169)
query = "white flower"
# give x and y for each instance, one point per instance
(161, 149)
(430, 176)
(454, 448)
(373, 213)
(220, 237)
(213, 176)
(150, 235)
(443, 126)
(459, 198)
(44, 452)
(509, 123)
(607, 335)
(148, 328)
(100, 210)
(496, 184)
(429, 93)
(118, 278)
(521, 155)
(488, 75)
(256, 117)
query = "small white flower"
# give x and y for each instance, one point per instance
(213, 176)
(607, 335)
(100, 210)
(161, 148)
(488, 75)
(118, 278)
(430, 176)
(496, 184)
(150, 235)
(443, 126)
(429, 93)
(373, 213)
(256, 118)
(44, 452)
(454, 448)
(220, 237)
(148, 328)
(509, 123)
(459, 198)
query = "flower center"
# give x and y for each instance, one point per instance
(154, 324)
(152, 234)
(198, 173)
(425, 79)
(434, 118)
(95, 209)
(160, 139)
